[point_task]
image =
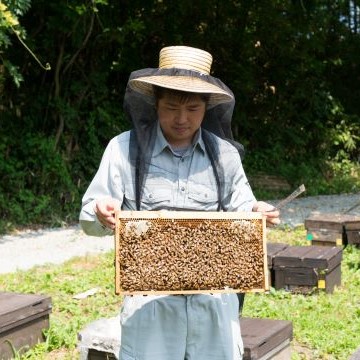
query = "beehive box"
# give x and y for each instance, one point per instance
(330, 229)
(182, 252)
(273, 249)
(352, 231)
(266, 338)
(23, 318)
(325, 229)
(305, 268)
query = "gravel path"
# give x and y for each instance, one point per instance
(29, 248)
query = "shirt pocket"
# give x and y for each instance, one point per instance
(202, 196)
(156, 196)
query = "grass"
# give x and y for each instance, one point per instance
(326, 326)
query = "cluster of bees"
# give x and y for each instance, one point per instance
(182, 255)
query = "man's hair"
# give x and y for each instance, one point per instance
(183, 96)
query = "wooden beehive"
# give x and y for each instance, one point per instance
(305, 268)
(23, 318)
(325, 229)
(332, 229)
(188, 252)
(266, 338)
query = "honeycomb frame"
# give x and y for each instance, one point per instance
(143, 265)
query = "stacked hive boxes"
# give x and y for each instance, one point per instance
(333, 229)
(318, 266)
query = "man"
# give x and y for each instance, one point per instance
(179, 156)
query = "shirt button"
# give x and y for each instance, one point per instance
(182, 188)
(150, 196)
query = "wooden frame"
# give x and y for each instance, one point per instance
(191, 219)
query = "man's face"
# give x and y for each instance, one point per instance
(179, 120)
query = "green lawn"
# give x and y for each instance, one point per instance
(326, 326)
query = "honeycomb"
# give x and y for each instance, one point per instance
(189, 255)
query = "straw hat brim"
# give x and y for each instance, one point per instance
(181, 83)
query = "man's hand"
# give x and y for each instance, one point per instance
(105, 211)
(271, 213)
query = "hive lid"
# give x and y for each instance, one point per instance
(260, 336)
(16, 309)
(320, 257)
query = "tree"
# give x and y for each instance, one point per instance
(9, 25)
(292, 65)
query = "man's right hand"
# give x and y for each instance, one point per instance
(105, 211)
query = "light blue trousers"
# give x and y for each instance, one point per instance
(191, 327)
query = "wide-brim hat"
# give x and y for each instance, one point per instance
(182, 68)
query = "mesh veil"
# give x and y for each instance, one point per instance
(140, 110)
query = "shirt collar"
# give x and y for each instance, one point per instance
(161, 143)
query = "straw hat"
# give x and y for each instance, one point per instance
(186, 69)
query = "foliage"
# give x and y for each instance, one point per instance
(32, 167)
(291, 64)
(9, 25)
(322, 322)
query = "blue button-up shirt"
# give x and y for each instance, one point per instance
(173, 182)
